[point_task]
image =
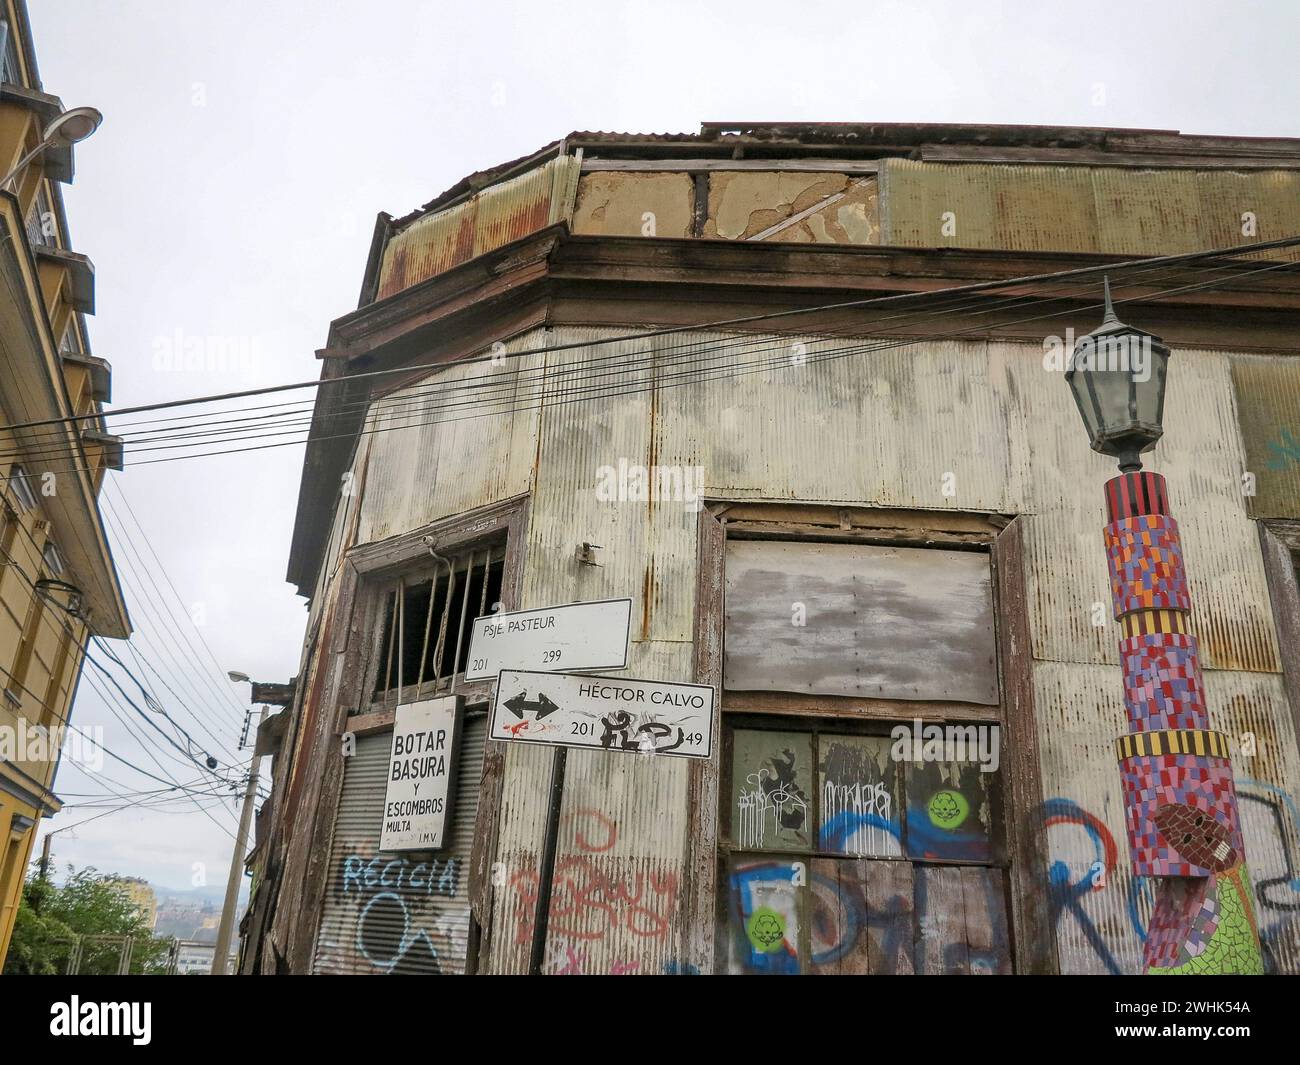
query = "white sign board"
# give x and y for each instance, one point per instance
(421, 765)
(573, 637)
(611, 713)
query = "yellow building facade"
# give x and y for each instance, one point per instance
(58, 585)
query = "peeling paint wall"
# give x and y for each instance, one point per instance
(655, 204)
(743, 204)
(900, 427)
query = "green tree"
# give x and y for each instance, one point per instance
(51, 917)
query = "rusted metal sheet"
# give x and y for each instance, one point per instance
(490, 218)
(1094, 209)
(859, 620)
(936, 425)
(456, 440)
(1100, 911)
(1268, 404)
(398, 913)
(616, 901)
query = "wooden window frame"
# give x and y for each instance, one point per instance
(1280, 545)
(378, 586)
(363, 567)
(1022, 832)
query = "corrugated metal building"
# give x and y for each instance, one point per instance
(870, 503)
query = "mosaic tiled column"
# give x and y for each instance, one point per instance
(1179, 801)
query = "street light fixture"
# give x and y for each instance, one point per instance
(1117, 375)
(69, 128)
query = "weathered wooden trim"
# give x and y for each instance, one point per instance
(792, 705)
(1286, 530)
(376, 560)
(812, 166)
(699, 897)
(1280, 544)
(958, 526)
(323, 780)
(1188, 159)
(1034, 939)
(368, 724)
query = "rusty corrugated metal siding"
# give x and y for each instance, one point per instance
(1089, 209)
(1268, 404)
(487, 220)
(876, 428)
(464, 460)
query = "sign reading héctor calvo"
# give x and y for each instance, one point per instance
(577, 636)
(609, 713)
(421, 766)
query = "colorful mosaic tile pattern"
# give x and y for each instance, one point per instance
(1150, 622)
(1155, 786)
(1198, 741)
(1219, 937)
(1180, 805)
(1134, 494)
(1163, 688)
(1146, 565)
(1181, 928)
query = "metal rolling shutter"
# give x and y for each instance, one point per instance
(401, 913)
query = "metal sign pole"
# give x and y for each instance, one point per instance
(546, 874)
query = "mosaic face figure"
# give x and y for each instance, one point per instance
(1197, 836)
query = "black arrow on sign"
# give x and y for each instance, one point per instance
(541, 706)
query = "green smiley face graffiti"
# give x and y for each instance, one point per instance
(948, 809)
(766, 930)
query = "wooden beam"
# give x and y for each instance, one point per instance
(1034, 938)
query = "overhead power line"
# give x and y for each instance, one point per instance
(981, 286)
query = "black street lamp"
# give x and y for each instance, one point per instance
(1117, 375)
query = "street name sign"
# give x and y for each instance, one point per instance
(607, 713)
(421, 765)
(578, 636)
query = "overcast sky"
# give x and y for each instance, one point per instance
(230, 196)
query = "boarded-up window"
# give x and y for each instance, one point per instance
(841, 855)
(398, 913)
(859, 620)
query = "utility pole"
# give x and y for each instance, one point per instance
(227, 926)
(45, 856)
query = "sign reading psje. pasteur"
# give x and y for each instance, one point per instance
(421, 765)
(578, 636)
(611, 713)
